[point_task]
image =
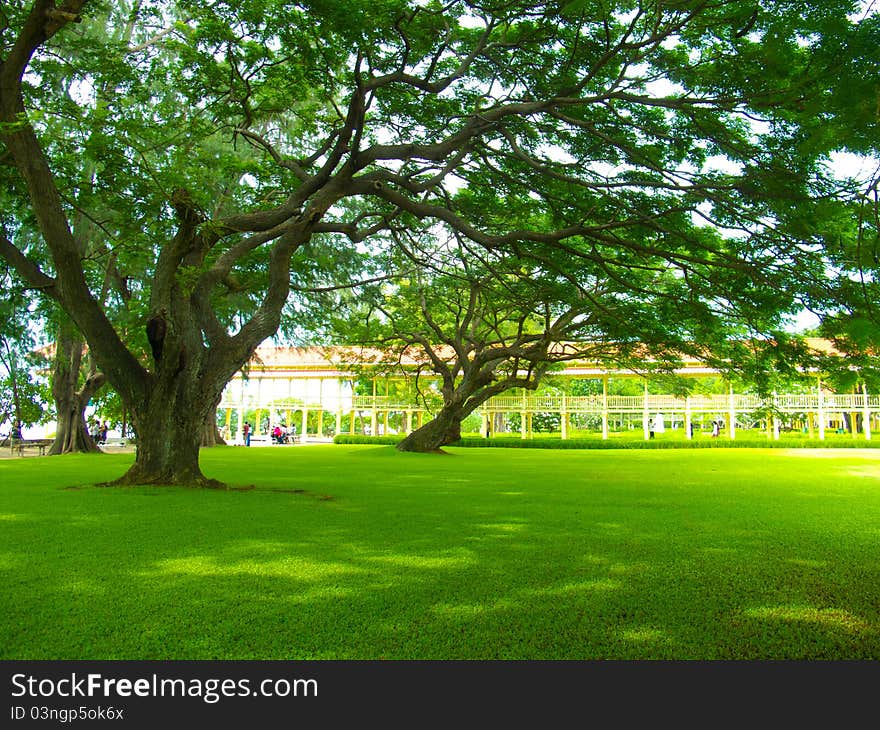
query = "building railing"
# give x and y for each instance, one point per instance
(589, 404)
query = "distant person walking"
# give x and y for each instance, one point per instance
(246, 430)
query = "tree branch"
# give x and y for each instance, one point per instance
(26, 268)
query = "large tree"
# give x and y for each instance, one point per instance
(468, 324)
(689, 134)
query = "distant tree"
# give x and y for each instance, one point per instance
(21, 396)
(478, 324)
(75, 382)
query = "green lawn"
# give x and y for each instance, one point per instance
(359, 552)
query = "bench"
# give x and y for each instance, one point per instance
(291, 439)
(20, 445)
(266, 440)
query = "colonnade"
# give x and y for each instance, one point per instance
(816, 412)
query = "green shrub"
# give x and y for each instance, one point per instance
(740, 443)
(359, 438)
(515, 442)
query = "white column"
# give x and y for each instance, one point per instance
(646, 416)
(239, 434)
(564, 418)
(775, 417)
(731, 414)
(687, 417)
(338, 405)
(821, 412)
(866, 413)
(374, 415)
(605, 407)
(321, 407)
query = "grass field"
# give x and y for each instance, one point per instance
(359, 552)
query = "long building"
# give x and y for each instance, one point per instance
(312, 390)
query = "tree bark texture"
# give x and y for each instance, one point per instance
(442, 430)
(71, 401)
(169, 428)
(211, 433)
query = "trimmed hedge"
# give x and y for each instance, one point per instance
(358, 438)
(659, 444)
(547, 443)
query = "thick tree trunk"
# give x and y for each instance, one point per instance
(441, 431)
(211, 433)
(72, 435)
(169, 434)
(460, 401)
(178, 404)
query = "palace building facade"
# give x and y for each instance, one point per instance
(312, 391)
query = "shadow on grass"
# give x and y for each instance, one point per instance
(487, 560)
